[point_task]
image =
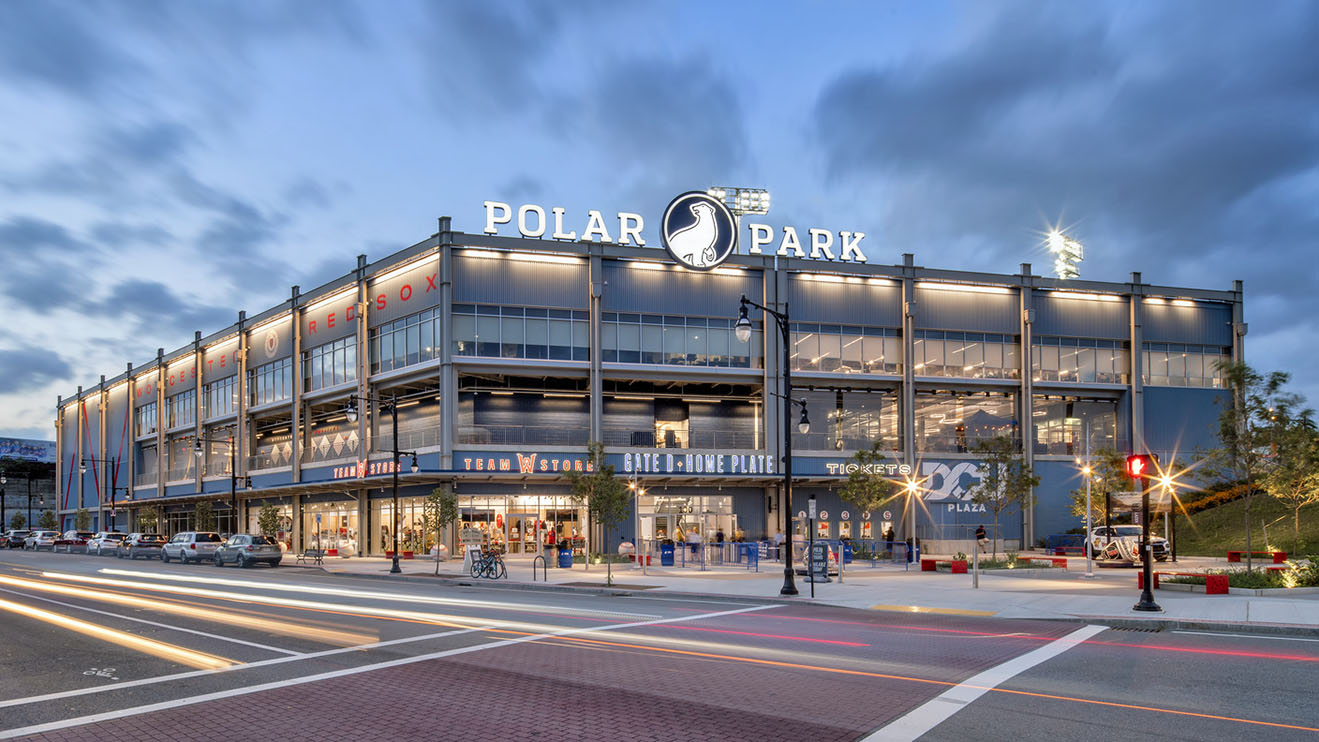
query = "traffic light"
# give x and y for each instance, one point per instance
(1142, 466)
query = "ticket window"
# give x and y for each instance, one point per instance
(867, 530)
(822, 529)
(845, 529)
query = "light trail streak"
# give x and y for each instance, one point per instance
(361, 594)
(124, 639)
(245, 621)
(770, 636)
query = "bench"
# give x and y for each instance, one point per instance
(315, 556)
(1278, 556)
(1214, 584)
(1052, 561)
(958, 566)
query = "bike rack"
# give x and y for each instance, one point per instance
(544, 566)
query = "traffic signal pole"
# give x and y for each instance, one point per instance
(1139, 468)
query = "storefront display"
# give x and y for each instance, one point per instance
(283, 533)
(331, 526)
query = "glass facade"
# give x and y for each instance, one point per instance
(404, 342)
(272, 382)
(849, 421)
(953, 422)
(182, 408)
(221, 397)
(1172, 364)
(144, 419)
(676, 341)
(1061, 424)
(846, 349)
(330, 364)
(521, 332)
(331, 526)
(968, 355)
(1081, 360)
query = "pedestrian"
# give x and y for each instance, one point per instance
(778, 544)
(981, 538)
(888, 535)
(719, 536)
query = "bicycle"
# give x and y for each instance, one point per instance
(490, 565)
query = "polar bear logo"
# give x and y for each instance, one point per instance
(704, 243)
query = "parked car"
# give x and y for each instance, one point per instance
(140, 545)
(105, 541)
(14, 538)
(191, 546)
(245, 550)
(1122, 543)
(38, 540)
(72, 541)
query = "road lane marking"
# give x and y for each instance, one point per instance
(163, 650)
(246, 690)
(934, 712)
(259, 663)
(362, 594)
(1248, 636)
(926, 609)
(266, 647)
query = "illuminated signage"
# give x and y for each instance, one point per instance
(880, 469)
(697, 230)
(364, 469)
(659, 462)
(532, 463)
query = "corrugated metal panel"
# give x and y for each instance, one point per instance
(266, 344)
(941, 309)
(1053, 497)
(405, 293)
(481, 280)
(145, 389)
(92, 481)
(1182, 420)
(118, 433)
(221, 361)
(1081, 317)
(675, 290)
(845, 303)
(326, 322)
(1202, 324)
(180, 377)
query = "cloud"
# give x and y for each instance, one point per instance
(59, 44)
(36, 253)
(27, 368)
(121, 234)
(158, 310)
(24, 237)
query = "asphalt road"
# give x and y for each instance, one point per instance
(105, 648)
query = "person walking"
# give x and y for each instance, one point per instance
(981, 538)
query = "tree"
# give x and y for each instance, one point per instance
(605, 496)
(1294, 478)
(82, 520)
(1251, 430)
(440, 509)
(267, 521)
(867, 488)
(147, 519)
(1005, 479)
(1109, 475)
(18, 521)
(204, 515)
(47, 520)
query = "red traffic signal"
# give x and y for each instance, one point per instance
(1142, 466)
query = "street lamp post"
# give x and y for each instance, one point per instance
(742, 329)
(114, 477)
(351, 414)
(233, 472)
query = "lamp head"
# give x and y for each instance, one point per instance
(197, 448)
(350, 411)
(804, 424)
(742, 328)
(415, 466)
(82, 466)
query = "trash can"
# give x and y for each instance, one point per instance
(666, 555)
(847, 552)
(914, 556)
(565, 558)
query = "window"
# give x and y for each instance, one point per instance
(1083, 360)
(521, 332)
(271, 382)
(1174, 364)
(221, 397)
(145, 419)
(676, 341)
(182, 408)
(1061, 424)
(846, 349)
(848, 421)
(956, 421)
(335, 363)
(405, 342)
(966, 355)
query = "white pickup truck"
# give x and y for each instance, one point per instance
(1122, 544)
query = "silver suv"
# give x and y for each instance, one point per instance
(105, 542)
(191, 546)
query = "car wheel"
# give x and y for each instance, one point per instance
(216, 561)
(244, 563)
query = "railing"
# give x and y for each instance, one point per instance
(144, 477)
(523, 435)
(174, 475)
(700, 439)
(954, 443)
(408, 440)
(313, 454)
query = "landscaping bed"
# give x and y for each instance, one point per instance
(1298, 575)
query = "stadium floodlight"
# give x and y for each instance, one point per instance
(742, 200)
(1067, 253)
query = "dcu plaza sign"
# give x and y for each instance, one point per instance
(698, 231)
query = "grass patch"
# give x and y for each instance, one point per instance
(1216, 531)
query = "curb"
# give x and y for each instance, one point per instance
(1196, 624)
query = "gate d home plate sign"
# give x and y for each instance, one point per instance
(698, 231)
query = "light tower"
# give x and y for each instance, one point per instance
(1067, 252)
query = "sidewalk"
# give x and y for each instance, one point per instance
(1045, 594)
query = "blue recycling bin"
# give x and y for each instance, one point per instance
(914, 554)
(847, 552)
(666, 555)
(565, 558)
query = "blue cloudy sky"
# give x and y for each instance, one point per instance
(164, 164)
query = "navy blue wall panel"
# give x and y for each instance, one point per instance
(1203, 324)
(940, 309)
(1182, 420)
(1081, 317)
(845, 303)
(479, 280)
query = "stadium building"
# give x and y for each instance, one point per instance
(503, 353)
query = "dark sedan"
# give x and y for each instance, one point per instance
(140, 545)
(73, 541)
(14, 539)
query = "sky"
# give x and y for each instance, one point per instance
(165, 164)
